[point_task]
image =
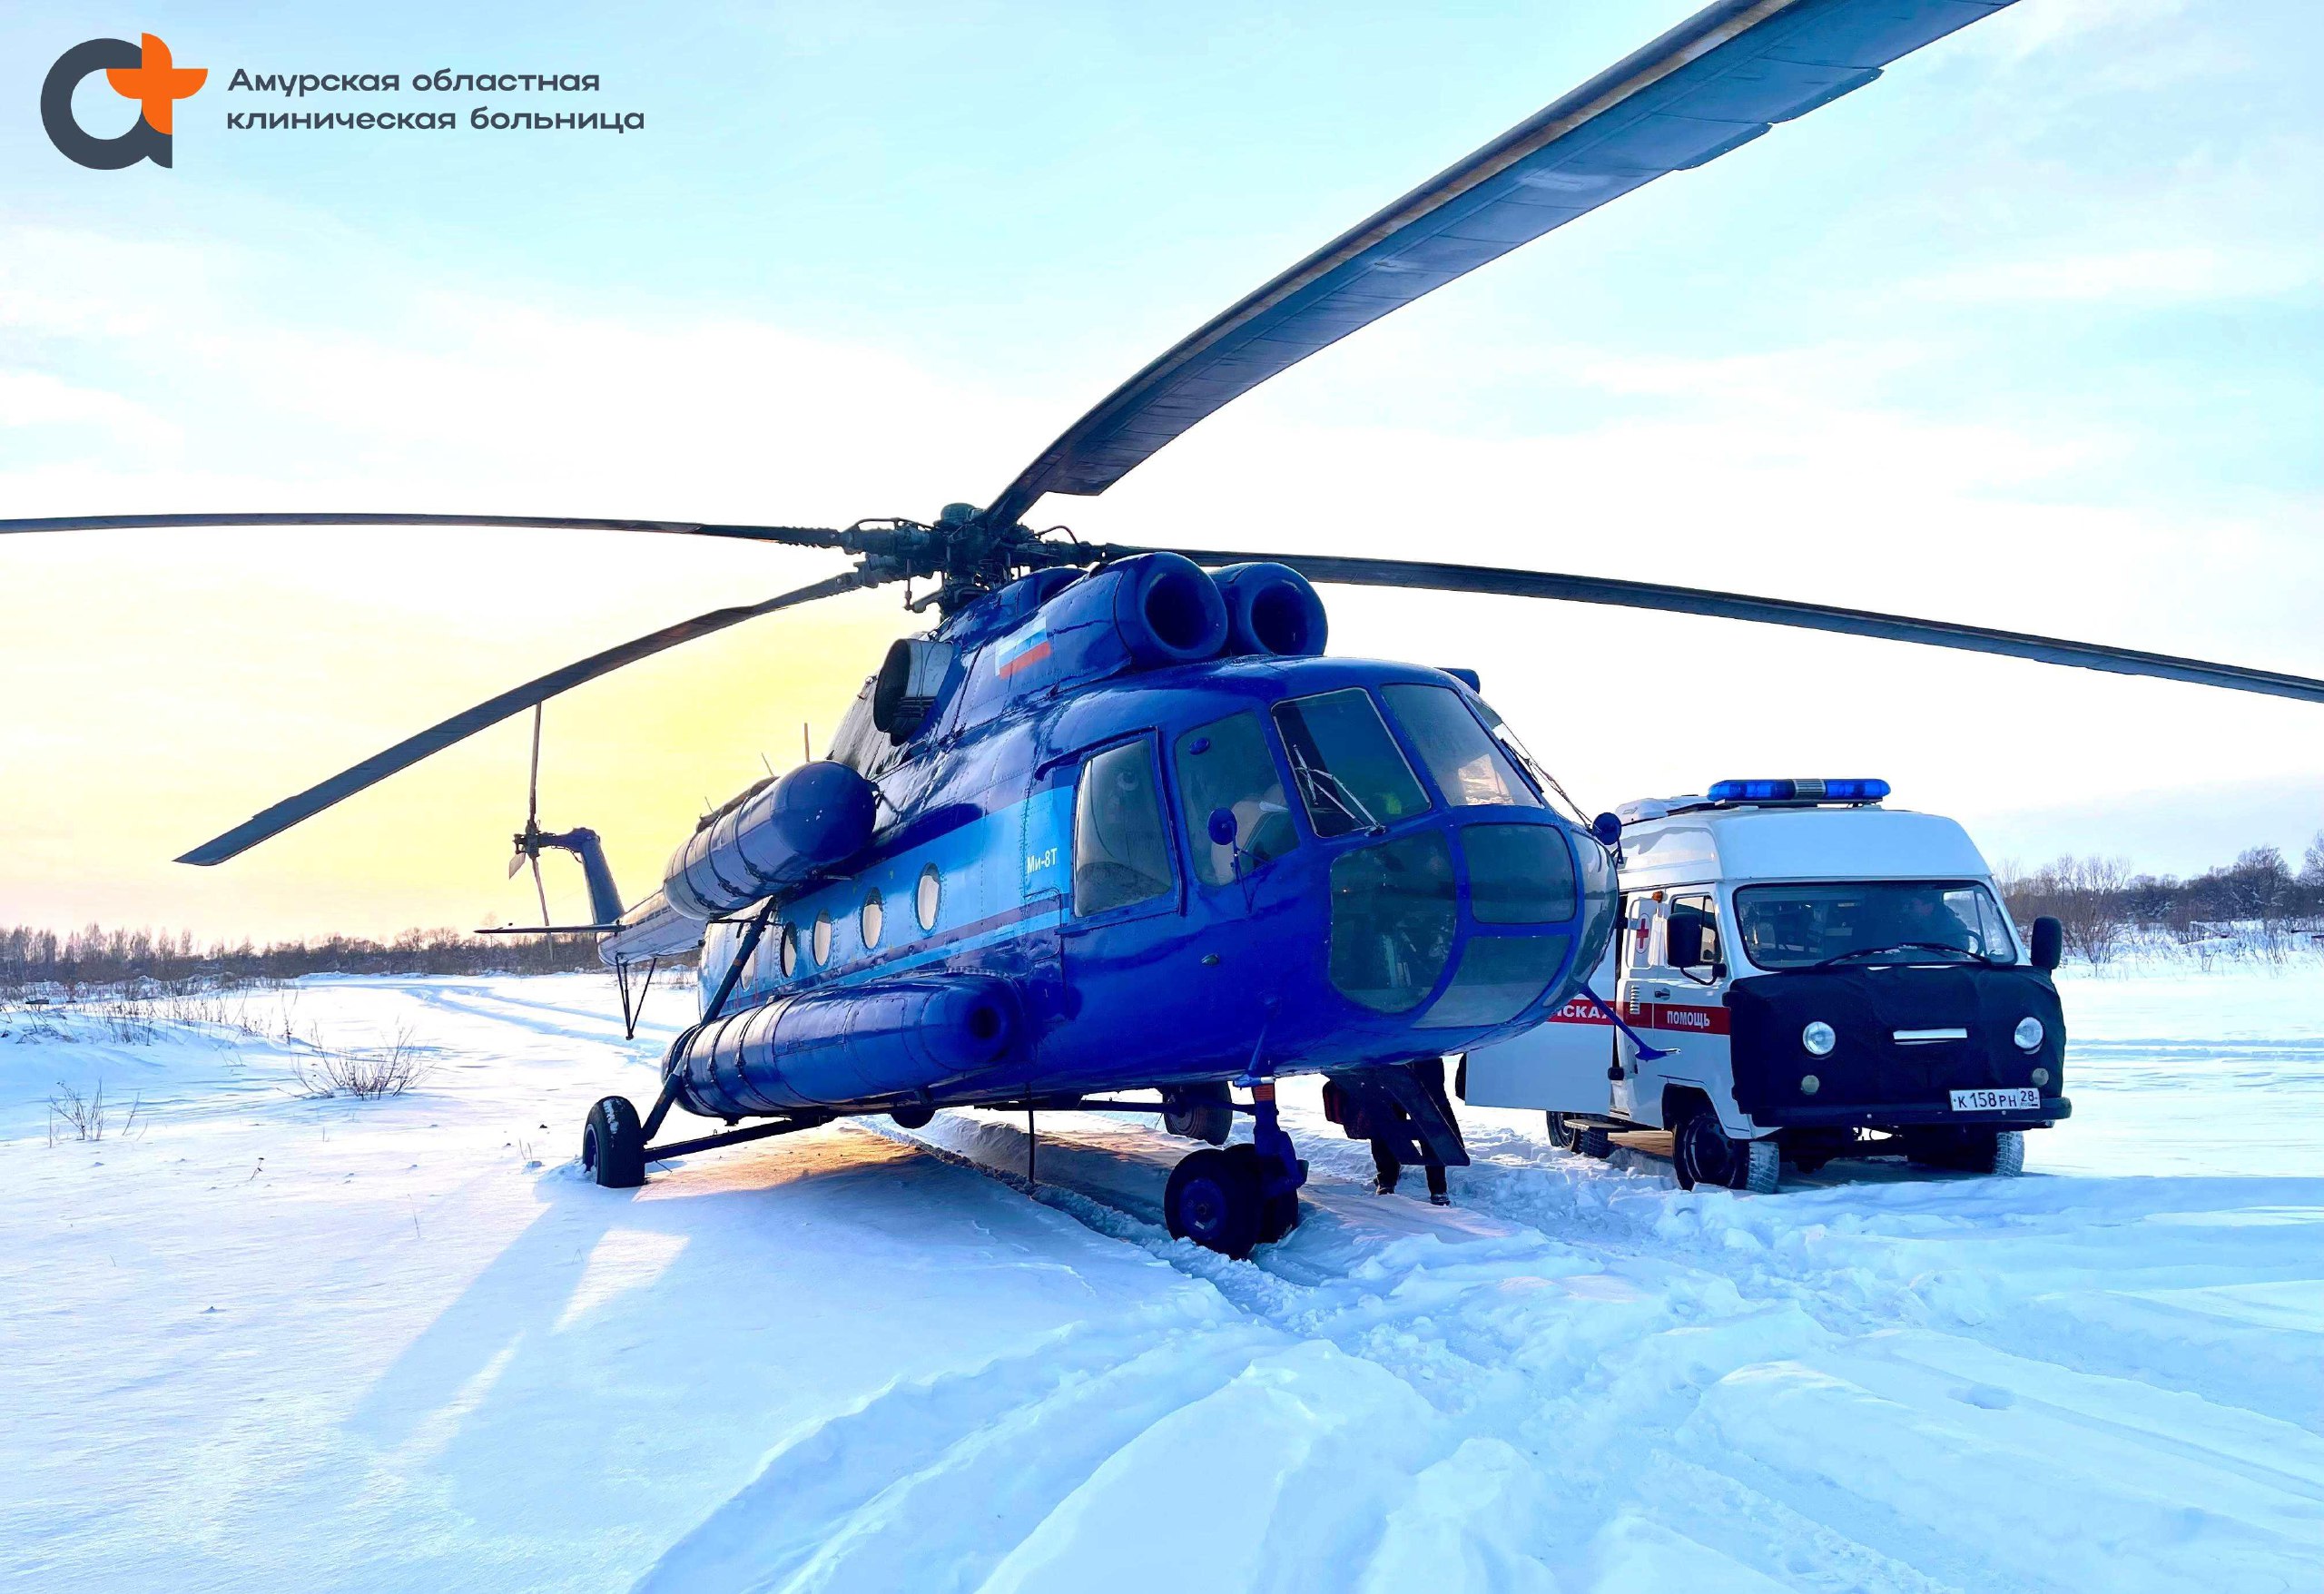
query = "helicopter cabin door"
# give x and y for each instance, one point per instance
(1123, 906)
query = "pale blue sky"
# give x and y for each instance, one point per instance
(2028, 333)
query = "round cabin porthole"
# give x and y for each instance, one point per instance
(786, 949)
(823, 939)
(869, 921)
(931, 887)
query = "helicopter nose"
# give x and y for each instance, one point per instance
(1506, 904)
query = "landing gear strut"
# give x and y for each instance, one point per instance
(1243, 1195)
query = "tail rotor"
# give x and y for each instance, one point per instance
(529, 840)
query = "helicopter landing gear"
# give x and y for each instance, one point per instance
(613, 1145)
(1215, 1201)
(1231, 1199)
(1199, 1112)
(1278, 1213)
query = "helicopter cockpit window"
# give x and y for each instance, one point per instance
(1519, 873)
(1225, 764)
(1500, 976)
(1351, 776)
(1469, 766)
(1393, 913)
(1121, 852)
(1506, 736)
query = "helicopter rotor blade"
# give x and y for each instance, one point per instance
(1411, 574)
(306, 804)
(1717, 81)
(532, 786)
(804, 536)
(542, 891)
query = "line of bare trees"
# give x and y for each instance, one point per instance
(2259, 903)
(96, 956)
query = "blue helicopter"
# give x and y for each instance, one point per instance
(1118, 822)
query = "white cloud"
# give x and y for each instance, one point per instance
(2148, 276)
(36, 399)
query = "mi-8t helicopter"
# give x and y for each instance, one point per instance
(1118, 821)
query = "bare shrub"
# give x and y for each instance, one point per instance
(29, 1021)
(129, 1022)
(367, 1073)
(87, 1116)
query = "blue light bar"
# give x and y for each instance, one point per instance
(1853, 790)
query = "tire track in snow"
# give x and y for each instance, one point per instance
(1504, 1373)
(1518, 1378)
(929, 1484)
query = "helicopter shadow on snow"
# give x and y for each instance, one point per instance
(765, 1288)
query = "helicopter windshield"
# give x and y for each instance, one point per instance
(1351, 776)
(1469, 767)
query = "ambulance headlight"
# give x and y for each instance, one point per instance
(1818, 1039)
(2028, 1034)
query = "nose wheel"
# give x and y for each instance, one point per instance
(1234, 1199)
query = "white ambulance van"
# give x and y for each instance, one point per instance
(1813, 975)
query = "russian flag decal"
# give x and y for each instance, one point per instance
(1024, 652)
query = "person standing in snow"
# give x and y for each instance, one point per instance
(1430, 1072)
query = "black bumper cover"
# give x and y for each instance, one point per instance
(1871, 1079)
(1912, 1114)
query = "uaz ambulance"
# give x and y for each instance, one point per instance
(1812, 975)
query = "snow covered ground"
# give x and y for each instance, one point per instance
(263, 1342)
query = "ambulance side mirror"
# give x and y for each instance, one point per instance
(2049, 942)
(1684, 940)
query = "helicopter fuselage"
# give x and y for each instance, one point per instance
(1243, 866)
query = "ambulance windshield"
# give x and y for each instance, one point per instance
(1832, 922)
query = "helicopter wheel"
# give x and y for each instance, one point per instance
(613, 1147)
(1216, 1200)
(1278, 1214)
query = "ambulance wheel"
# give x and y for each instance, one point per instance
(1705, 1153)
(1565, 1137)
(613, 1147)
(1970, 1151)
(1592, 1140)
(1215, 1200)
(1998, 1152)
(1278, 1214)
